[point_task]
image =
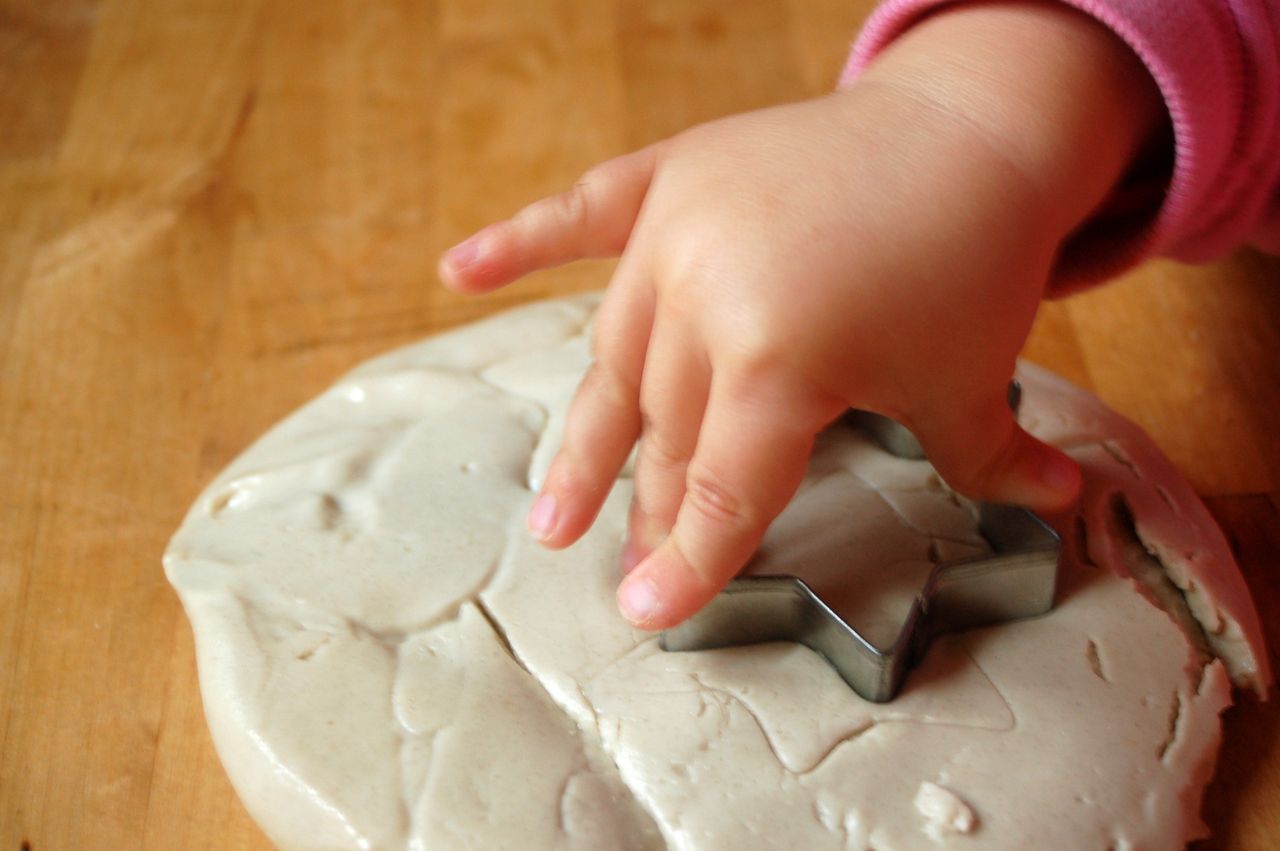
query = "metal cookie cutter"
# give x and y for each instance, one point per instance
(1017, 580)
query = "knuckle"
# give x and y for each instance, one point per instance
(611, 341)
(761, 350)
(574, 480)
(564, 211)
(659, 455)
(713, 499)
(647, 520)
(572, 207)
(703, 573)
(603, 342)
(610, 386)
(694, 253)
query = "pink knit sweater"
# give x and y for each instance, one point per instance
(1217, 64)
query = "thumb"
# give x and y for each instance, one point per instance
(592, 219)
(982, 452)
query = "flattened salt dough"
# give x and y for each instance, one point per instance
(388, 662)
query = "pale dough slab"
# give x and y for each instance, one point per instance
(388, 662)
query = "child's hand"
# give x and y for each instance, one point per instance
(883, 248)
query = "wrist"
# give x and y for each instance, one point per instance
(1055, 95)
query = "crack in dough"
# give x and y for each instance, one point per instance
(1153, 575)
(1176, 708)
(457, 686)
(1095, 661)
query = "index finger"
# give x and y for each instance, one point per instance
(593, 219)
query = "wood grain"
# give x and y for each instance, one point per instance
(210, 208)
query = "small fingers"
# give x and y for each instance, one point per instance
(603, 420)
(592, 219)
(981, 451)
(673, 395)
(750, 459)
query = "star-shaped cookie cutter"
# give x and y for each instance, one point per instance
(1017, 580)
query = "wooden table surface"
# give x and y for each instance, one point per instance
(211, 208)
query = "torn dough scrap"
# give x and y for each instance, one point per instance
(943, 811)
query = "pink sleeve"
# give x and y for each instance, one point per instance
(1217, 64)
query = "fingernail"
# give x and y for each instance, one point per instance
(632, 554)
(542, 517)
(638, 600)
(464, 253)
